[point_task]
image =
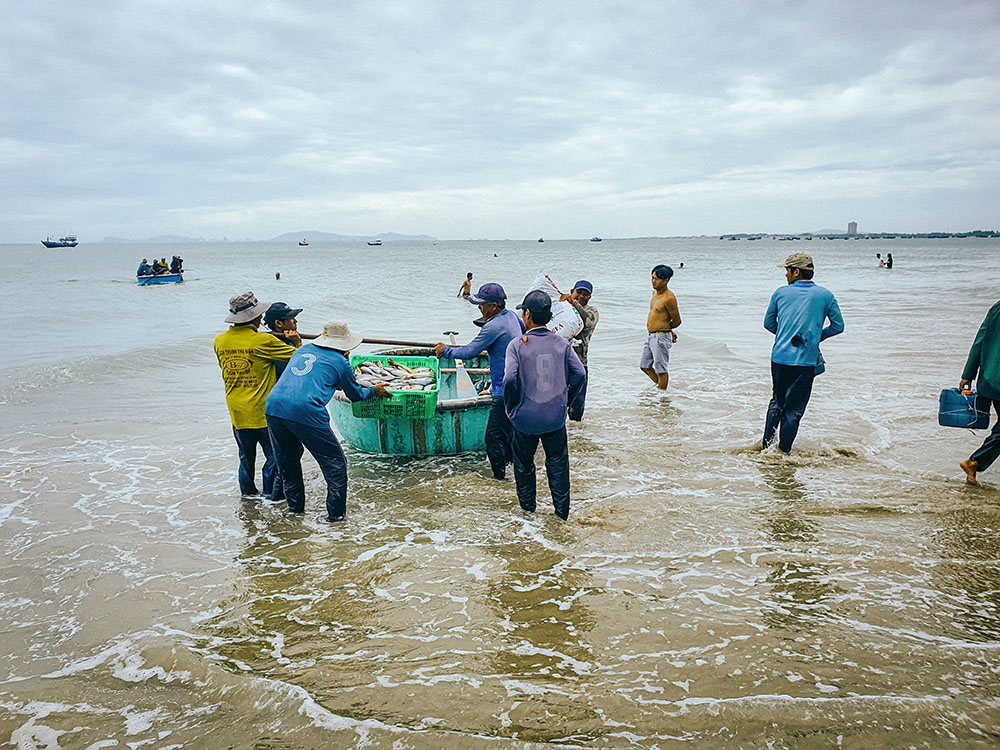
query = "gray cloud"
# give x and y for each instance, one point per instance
(506, 120)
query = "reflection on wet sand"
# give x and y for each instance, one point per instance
(797, 582)
(544, 651)
(969, 573)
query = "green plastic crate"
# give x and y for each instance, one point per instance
(402, 404)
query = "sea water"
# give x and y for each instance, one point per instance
(701, 592)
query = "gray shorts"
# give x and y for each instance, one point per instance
(656, 352)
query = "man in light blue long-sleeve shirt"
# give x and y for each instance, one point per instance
(500, 328)
(796, 316)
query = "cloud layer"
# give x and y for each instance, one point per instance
(497, 120)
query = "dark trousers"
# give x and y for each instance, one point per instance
(247, 442)
(498, 438)
(990, 448)
(289, 440)
(791, 388)
(556, 468)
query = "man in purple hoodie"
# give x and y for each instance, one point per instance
(543, 378)
(500, 327)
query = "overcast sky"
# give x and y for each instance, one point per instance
(497, 120)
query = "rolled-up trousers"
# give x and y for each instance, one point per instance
(556, 468)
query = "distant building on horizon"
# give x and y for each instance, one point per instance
(852, 227)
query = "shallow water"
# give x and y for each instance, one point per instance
(702, 591)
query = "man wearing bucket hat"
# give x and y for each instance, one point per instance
(247, 358)
(543, 380)
(499, 327)
(298, 417)
(795, 316)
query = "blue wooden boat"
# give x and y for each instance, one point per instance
(161, 278)
(458, 425)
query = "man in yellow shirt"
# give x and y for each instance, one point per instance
(247, 358)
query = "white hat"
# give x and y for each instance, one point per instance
(244, 307)
(336, 335)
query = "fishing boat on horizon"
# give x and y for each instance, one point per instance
(304, 243)
(596, 239)
(375, 243)
(68, 241)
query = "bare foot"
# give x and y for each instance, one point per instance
(970, 467)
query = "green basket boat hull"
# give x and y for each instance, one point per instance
(457, 426)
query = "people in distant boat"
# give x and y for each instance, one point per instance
(144, 269)
(501, 326)
(888, 260)
(177, 264)
(160, 265)
(466, 288)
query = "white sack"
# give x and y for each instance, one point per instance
(566, 321)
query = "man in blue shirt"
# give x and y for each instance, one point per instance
(297, 416)
(501, 326)
(543, 379)
(795, 316)
(144, 269)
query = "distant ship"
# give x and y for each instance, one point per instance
(540, 239)
(68, 241)
(303, 243)
(375, 243)
(596, 239)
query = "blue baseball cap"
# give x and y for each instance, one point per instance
(586, 285)
(491, 292)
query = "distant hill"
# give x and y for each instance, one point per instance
(328, 237)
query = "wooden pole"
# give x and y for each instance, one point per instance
(394, 342)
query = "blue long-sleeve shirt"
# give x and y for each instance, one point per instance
(308, 383)
(493, 337)
(543, 378)
(795, 316)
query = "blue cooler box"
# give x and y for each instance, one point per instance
(960, 409)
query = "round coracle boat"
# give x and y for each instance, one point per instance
(456, 425)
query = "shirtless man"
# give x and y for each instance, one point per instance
(663, 319)
(466, 288)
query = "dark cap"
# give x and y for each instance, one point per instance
(536, 301)
(491, 292)
(585, 285)
(279, 311)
